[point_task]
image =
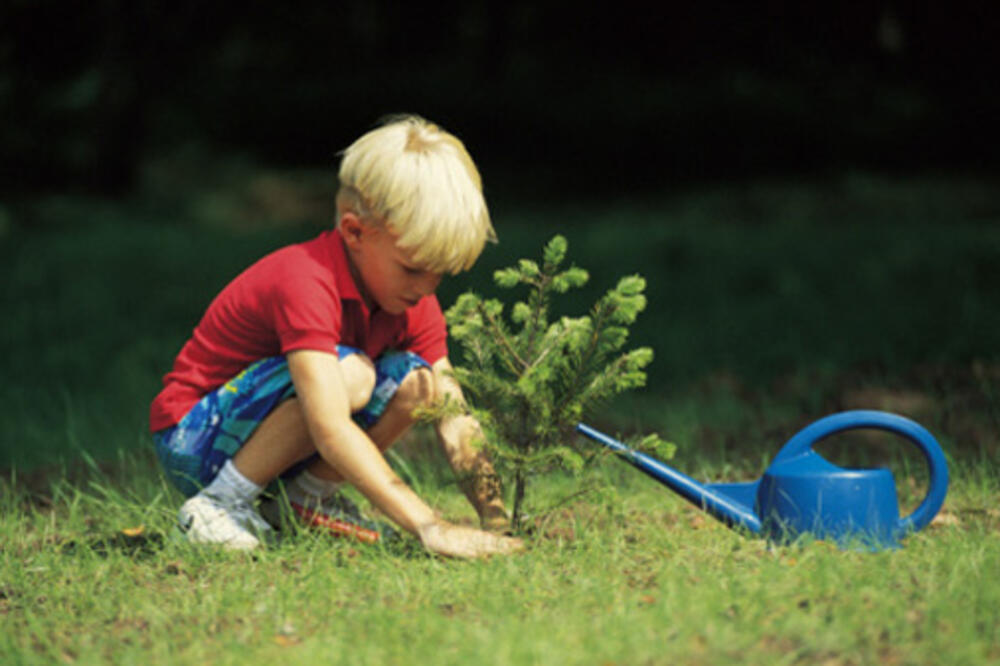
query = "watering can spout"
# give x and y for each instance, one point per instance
(732, 503)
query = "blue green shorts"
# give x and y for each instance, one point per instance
(193, 451)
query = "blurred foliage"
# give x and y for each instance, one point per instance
(769, 302)
(567, 96)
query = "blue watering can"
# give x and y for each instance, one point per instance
(802, 492)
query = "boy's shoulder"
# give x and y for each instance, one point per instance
(315, 252)
(306, 270)
(317, 257)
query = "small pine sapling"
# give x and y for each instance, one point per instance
(529, 382)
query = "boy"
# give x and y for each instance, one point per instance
(325, 348)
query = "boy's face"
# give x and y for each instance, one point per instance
(385, 274)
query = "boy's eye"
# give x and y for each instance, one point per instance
(413, 270)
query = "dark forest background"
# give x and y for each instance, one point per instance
(809, 189)
(557, 95)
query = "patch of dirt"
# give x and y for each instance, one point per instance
(958, 403)
(961, 402)
(559, 525)
(914, 404)
(946, 519)
(270, 200)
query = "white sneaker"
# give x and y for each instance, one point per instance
(206, 519)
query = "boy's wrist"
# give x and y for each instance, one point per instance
(427, 531)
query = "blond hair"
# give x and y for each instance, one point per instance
(417, 179)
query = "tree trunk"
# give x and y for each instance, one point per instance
(520, 482)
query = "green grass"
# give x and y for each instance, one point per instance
(770, 305)
(635, 578)
(789, 293)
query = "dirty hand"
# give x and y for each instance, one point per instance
(457, 541)
(494, 518)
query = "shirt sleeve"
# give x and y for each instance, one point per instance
(426, 332)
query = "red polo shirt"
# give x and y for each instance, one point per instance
(299, 297)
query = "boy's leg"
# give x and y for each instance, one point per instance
(239, 438)
(403, 382)
(416, 390)
(282, 438)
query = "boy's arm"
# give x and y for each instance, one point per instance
(476, 475)
(321, 391)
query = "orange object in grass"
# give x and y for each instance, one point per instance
(334, 526)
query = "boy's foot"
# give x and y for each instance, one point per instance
(206, 519)
(336, 515)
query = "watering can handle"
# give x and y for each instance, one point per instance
(803, 442)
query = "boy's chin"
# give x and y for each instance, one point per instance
(396, 307)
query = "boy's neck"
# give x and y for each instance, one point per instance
(358, 282)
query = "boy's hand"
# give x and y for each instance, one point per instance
(494, 518)
(476, 475)
(467, 542)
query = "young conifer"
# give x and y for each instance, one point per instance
(529, 381)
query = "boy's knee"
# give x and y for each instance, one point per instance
(359, 378)
(417, 390)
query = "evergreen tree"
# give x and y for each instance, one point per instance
(529, 381)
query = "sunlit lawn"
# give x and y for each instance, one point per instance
(770, 305)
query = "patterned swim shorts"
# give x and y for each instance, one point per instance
(193, 451)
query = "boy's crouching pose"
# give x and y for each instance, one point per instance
(326, 347)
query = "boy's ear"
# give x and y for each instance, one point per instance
(351, 228)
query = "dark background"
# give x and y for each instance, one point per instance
(809, 189)
(555, 97)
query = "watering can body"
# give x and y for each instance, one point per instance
(803, 493)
